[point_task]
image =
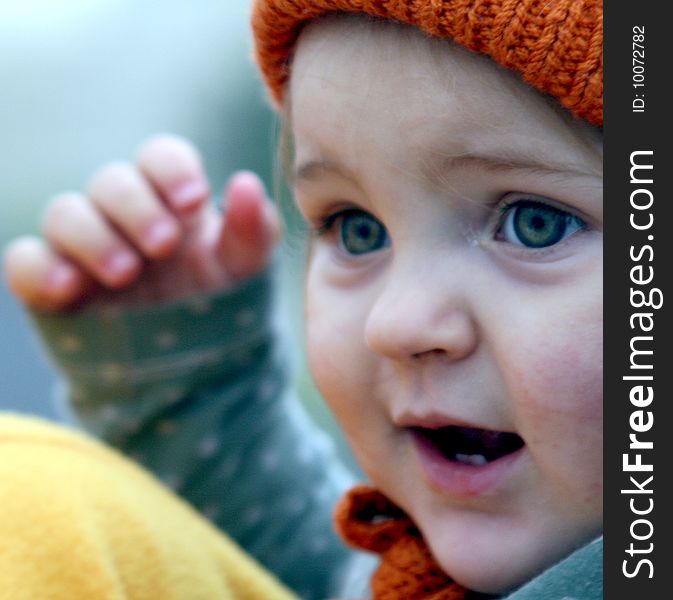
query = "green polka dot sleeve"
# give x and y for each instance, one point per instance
(197, 391)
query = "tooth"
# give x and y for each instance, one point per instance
(476, 460)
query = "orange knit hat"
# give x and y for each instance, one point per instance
(556, 45)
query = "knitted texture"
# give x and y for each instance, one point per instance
(556, 45)
(366, 519)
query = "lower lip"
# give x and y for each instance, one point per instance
(458, 479)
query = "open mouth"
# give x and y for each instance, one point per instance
(470, 446)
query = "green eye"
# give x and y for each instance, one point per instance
(361, 233)
(537, 225)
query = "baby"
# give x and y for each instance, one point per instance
(454, 276)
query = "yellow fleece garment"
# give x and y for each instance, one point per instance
(79, 521)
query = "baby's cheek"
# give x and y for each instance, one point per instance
(334, 335)
(558, 395)
(324, 351)
(558, 371)
(329, 346)
(565, 384)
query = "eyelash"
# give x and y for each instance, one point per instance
(325, 225)
(511, 199)
(515, 200)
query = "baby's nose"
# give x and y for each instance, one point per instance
(412, 318)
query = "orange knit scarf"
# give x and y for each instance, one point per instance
(366, 519)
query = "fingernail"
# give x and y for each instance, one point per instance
(120, 264)
(160, 234)
(189, 193)
(60, 278)
(251, 179)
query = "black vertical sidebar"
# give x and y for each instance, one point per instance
(638, 398)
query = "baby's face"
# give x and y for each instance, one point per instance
(454, 292)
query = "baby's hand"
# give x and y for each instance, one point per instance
(144, 233)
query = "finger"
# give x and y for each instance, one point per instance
(77, 230)
(251, 226)
(41, 278)
(126, 199)
(174, 167)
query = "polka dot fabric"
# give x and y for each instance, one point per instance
(556, 45)
(196, 392)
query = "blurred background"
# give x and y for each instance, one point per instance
(83, 82)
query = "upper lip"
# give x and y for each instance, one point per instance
(435, 420)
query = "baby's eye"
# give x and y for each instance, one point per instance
(535, 224)
(358, 231)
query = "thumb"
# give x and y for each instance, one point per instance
(250, 226)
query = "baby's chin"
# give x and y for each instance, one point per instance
(492, 576)
(496, 552)
(499, 564)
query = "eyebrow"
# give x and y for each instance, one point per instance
(500, 164)
(313, 170)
